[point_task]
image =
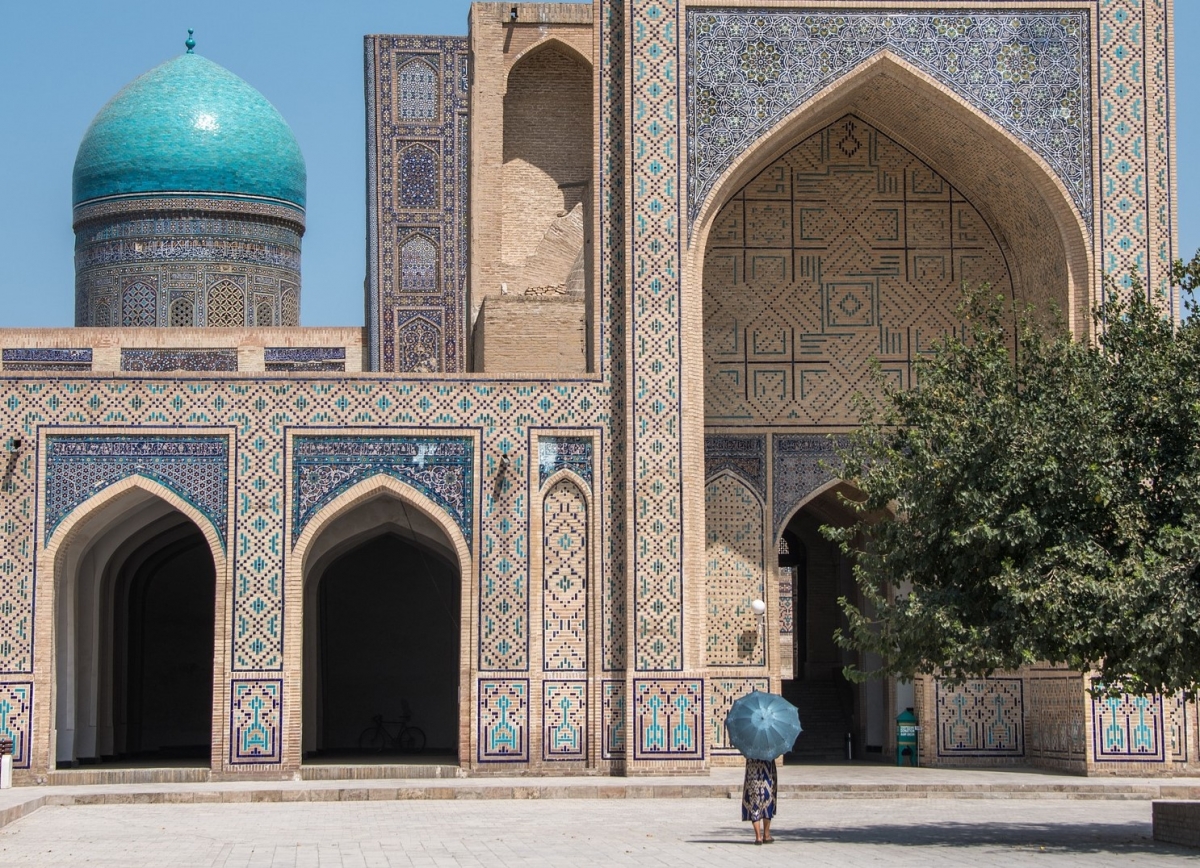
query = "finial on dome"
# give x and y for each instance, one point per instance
(190, 43)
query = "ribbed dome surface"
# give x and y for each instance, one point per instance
(190, 126)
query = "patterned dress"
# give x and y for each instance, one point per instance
(758, 791)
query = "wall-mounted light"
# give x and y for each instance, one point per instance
(759, 608)
(512, 14)
(504, 464)
(14, 444)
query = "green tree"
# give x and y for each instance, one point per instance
(1034, 498)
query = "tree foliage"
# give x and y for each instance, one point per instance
(1044, 502)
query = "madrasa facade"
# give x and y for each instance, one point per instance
(627, 263)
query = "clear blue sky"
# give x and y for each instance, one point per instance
(61, 61)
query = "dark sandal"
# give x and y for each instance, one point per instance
(768, 840)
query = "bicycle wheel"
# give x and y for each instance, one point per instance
(411, 740)
(373, 738)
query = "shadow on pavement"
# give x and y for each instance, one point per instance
(1126, 838)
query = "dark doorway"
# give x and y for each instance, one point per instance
(388, 637)
(165, 631)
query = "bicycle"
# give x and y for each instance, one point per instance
(378, 736)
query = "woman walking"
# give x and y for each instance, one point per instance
(758, 797)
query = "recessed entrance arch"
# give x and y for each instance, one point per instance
(1044, 238)
(134, 581)
(385, 620)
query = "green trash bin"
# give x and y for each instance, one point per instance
(906, 738)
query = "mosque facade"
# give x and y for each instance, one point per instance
(627, 265)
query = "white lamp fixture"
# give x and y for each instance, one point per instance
(758, 607)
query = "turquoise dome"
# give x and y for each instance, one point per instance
(189, 126)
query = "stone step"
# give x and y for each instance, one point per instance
(89, 776)
(398, 771)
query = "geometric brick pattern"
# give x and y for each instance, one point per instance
(503, 720)
(722, 692)
(256, 721)
(16, 718)
(734, 572)
(565, 567)
(981, 718)
(417, 198)
(668, 715)
(1029, 71)
(194, 467)
(1056, 717)
(655, 336)
(564, 720)
(847, 251)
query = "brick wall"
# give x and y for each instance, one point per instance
(529, 334)
(1177, 823)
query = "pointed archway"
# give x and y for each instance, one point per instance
(384, 627)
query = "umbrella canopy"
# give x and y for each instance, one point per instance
(763, 725)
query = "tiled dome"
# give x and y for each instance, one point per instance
(189, 126)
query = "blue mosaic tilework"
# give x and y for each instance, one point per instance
(564, 721)
(49, 355)
(564, 453)
(1139, 729)
(797, 461)
(503, 720)
(256, 721)
(613, 719)
(668, 717)
(656, 450)
(611, 188)
(1028, 71)
(722, 693)
(16, 719)
(417, 203)
(744, 454)
(304, 355)
(178, 360)
(981, 718)
(194, 467)
(441, 468)
(47, 359)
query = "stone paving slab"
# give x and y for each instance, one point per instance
(588, 832)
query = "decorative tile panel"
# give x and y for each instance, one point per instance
(799, 464)
(744, 454)
(256, 721)
(564, 720)
(564, 453)
(441, 468)
(654, 320)
(16, 719)
(178, 360)
(734, 572)
(81, 466)
(47, 359)
(503, 720)
(417, 177)
(722, 693)
(303, 355)
(668, 717)
(981, 718)
(566, 566)
(1028, 71)
(1139, 729)
(612, 719)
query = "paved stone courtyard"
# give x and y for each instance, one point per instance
(590, 832)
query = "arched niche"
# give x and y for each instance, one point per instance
(1046, 241)
(381, 529)
(130, 582)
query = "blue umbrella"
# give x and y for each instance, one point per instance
(762, 725)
